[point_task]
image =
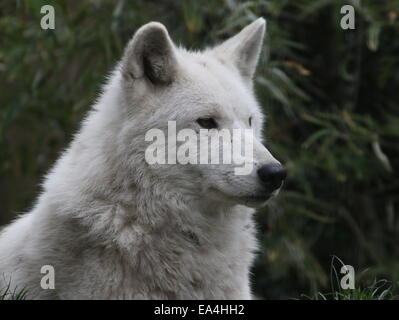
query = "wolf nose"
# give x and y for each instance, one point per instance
(272, 176)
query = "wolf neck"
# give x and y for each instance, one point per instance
(108, 203)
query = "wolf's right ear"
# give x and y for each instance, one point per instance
(244, 48)
(151, 54)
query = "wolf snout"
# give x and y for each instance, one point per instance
(272, 176)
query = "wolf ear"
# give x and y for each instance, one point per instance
(243, 49)
(151, 54)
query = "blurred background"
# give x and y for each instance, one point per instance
(331, 97)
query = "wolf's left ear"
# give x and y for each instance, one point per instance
(244, 48)
(151, 54)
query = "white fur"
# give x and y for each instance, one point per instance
(114, 227)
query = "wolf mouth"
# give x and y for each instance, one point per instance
(261, 199)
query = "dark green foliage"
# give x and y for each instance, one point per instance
(7, 293)
(376, 290)
(331, 97)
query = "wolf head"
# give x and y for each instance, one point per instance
(212, 89)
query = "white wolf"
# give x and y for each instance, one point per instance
(115, 227)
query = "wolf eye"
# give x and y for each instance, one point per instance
(207, 123)
(250, 121)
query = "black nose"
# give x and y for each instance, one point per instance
(272, 176)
